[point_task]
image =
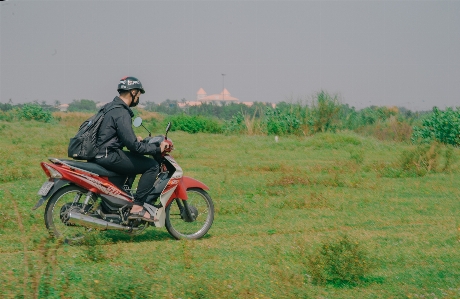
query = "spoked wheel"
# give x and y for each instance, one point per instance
(195, 223)
(60, 204)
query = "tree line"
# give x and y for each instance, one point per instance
(325, 113)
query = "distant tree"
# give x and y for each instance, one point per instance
(82, 105)
(6, 107)
(150, 106)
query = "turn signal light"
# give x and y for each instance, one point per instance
(52, 173)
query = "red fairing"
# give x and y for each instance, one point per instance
(90, 182)
(186, 183)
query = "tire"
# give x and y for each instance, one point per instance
(60, 202)
(201, 205)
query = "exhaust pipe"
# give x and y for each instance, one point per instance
(91, 222)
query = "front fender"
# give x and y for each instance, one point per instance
(57, 185)
(187, 183)
(192, 183)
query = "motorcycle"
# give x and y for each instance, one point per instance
(84, 196)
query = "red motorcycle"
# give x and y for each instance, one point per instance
(84, 196)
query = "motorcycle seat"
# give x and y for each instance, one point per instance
(91, 167)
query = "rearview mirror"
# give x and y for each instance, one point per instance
(137, 122)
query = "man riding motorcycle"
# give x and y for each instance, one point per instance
(115, 133)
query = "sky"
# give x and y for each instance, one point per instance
(382, 53)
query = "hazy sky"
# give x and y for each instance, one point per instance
(403, 53)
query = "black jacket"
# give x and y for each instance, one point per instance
(116, 132)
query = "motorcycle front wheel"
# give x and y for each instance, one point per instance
(196, 223)
(64, 200)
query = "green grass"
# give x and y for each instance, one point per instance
(276, 205)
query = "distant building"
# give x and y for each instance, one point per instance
(63, 107)
(219, 99)
(200, 94)
(189, 104)
(100, 104)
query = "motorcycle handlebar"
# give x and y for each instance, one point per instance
(157, 140)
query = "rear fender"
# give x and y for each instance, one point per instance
(58, 184)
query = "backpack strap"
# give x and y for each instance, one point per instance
(103, 109)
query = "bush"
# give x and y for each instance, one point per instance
(441, 126)
(236, 124)
(35, 112)
(9, 116)
(420, 160)
(281, 122)
(340, 262)
(194, 124)
(391, 129)
(427, 158)
(324, 113)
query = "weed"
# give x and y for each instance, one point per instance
(340, 262)
(419, 161)
(390, 129)
(357, 155)
(324, 113)
(291, 180)
(94, 251)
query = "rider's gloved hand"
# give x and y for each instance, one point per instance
(164, 145)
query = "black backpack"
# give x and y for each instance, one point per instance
(83, 145)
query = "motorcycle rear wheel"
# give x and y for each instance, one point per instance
(68, 197)
(202, 208)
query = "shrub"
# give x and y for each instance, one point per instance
(236, 124)
(194, 124)
(35, 112)
(427, 158)
(420, 160)
(442, 126)
(391, 129)
(324, 113)
(339, 262)
(9, 116)
(281, 122)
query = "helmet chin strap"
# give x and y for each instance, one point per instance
(132, 99)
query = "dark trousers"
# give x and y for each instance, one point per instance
(128, 163)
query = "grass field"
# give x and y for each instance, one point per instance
(276, 204)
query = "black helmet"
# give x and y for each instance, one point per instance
(128, 83)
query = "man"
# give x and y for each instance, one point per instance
(115, 133)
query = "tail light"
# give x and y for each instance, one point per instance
(51, 172)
